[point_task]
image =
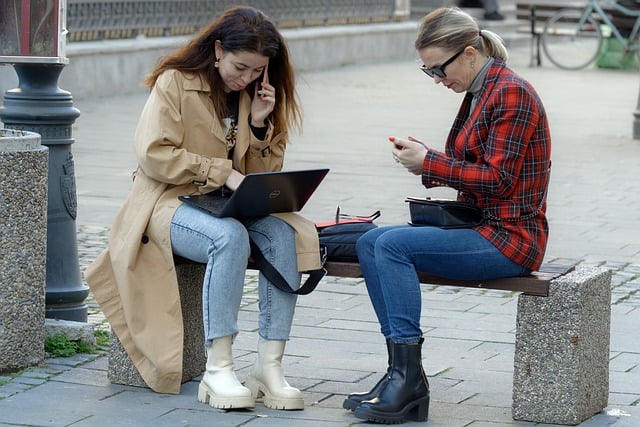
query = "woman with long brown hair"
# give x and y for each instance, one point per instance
(219, 108)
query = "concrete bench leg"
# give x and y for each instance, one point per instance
(561, 371)
(190, 276)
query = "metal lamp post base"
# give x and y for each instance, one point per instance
(39, 105)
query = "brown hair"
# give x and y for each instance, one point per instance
(240, 29)
(453, 29)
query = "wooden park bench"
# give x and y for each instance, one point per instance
(535, 284)
(562, 337)
(537, 12)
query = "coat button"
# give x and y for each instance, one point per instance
(145, 239)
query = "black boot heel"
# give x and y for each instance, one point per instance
(420, 412)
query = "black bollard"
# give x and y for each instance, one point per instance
(39, 105)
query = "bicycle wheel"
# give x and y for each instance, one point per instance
(570, 45)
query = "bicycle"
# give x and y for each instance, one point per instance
(572, 39)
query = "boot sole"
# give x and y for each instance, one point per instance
(284, 404)
(260, 392)
(206, 395)
(418, 410)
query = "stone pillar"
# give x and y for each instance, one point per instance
(23, 248)
(561, 371)
(121, 369)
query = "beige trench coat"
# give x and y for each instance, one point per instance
(178, 142)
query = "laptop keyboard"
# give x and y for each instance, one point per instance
(211, 203)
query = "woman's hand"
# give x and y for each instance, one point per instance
(264, 100)
(410, 153)
(233, 180)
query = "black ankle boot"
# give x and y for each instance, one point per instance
(354, 399)
(405, 396)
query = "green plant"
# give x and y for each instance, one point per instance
(84, 347)
(102, 337)
(59, 345)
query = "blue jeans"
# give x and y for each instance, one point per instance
(223, 245)
(390, 256)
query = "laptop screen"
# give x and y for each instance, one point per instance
(261, 194)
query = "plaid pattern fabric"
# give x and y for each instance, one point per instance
(498, 157)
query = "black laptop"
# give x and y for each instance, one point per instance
(261, 194)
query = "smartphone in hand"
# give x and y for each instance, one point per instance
(393, 139)
(265, 79)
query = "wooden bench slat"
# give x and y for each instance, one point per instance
(535, 284)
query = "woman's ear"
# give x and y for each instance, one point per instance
(217, 46)
(470, 52)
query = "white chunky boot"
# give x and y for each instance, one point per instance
(220, 386)
(267, 380)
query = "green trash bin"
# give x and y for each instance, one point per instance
(613, 55)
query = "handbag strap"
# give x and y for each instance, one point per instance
(274, 276)
(530, 215)
(342, 216)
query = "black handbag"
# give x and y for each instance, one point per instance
(444, 213)
(337, 243)
(339, 237)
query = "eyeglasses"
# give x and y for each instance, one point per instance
(439, 71)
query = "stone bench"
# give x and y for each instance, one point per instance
(561, 366)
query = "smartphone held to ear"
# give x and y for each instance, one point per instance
(264, 81)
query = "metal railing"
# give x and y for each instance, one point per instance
(116, 19)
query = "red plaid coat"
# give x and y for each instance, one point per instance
(498, 157)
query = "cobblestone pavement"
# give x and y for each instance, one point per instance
(593, 210)
(92, 240)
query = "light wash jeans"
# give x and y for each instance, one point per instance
(390, 256)
(223, 245)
